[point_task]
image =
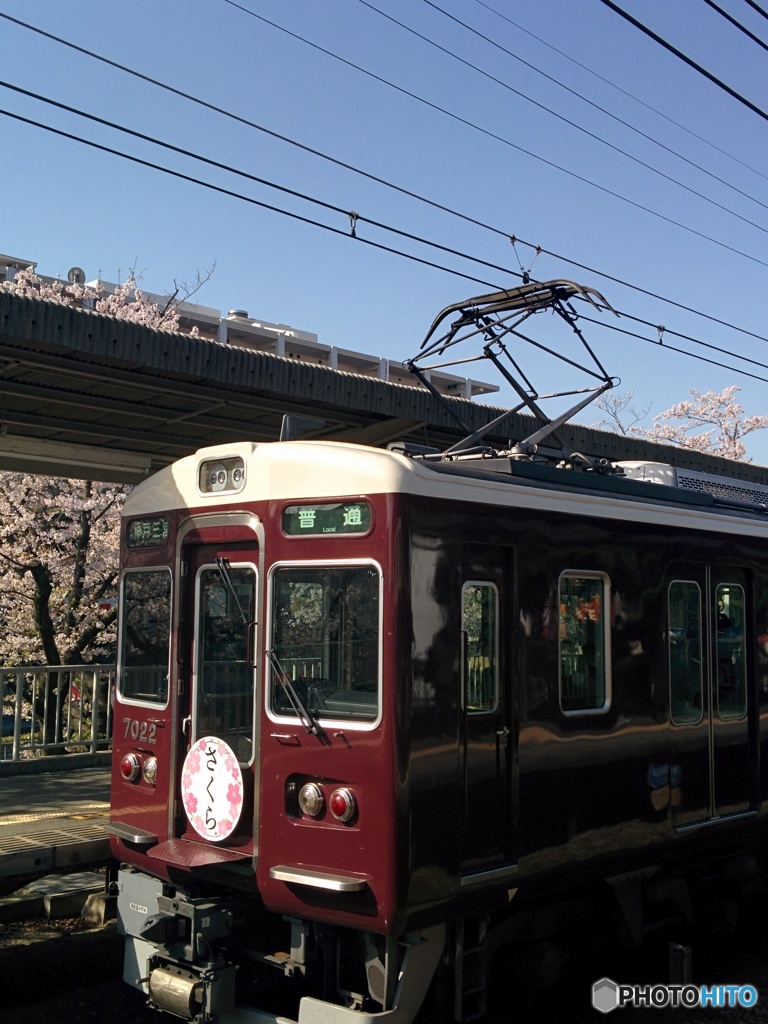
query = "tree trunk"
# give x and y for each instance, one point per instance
(45, 704)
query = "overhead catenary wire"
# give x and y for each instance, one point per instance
(389, 249)
(757, 7)
(237, 195)
(737, 24)
(686, 60)
(625, 92)
(574, 124)
(675, 348)
(375, 178)
(354, 216)
(492, 135)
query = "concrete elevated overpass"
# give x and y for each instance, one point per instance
(88, 396)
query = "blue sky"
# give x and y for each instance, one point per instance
(488, 154)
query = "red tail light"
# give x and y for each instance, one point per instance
(130, 767)
(343, 804)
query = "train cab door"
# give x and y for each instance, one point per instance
(488, 726)
(712, 701)
(216, 737)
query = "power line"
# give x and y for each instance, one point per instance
(691, 63)
(645, 291)
(352, 215)
(618, 88)
(664, 332)
(237, 195)
(372, 177)
(757, 7)
(305, 220)
(736, 24)
(493, 135)
(674, 348)
(585, 99)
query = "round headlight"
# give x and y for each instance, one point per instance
(149, 771)
(311, 799)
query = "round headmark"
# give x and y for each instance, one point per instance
(212, 788)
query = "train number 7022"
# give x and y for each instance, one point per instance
(141, 732)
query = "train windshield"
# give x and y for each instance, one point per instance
(325, 641)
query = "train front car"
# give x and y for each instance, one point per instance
(385, 721)
(255, 779)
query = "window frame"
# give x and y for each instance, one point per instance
(605, 614)
(702, 649)
(744, 682)
(357, 724)
(464, 666)
(122, 606)
(198, 690)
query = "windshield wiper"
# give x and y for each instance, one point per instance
(303, 713)
(223, 566)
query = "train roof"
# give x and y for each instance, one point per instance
(316, 470)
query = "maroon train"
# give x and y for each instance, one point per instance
(382, 718)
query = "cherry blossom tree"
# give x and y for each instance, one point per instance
(127, 302)
(59, 546)
(59, 539)
(58, 568)
(711, 421)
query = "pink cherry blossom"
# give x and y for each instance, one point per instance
(712, 421)
(59, 539)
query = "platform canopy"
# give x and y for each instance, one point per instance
(85, 395)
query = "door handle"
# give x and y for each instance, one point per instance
(185, 724)
(504, 733)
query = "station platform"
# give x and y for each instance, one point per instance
(52, 821)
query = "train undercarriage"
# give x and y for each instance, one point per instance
(213, 959)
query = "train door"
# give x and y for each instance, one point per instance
(217, 737)
(488, 727)
(711, 768)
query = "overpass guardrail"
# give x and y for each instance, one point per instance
(56, 710)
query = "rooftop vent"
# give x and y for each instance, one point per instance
(239, 314)
(722, 487)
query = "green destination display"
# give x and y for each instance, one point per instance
(341, 517)
(148, 533)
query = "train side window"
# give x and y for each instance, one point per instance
(731, 651)
(145, 636)
(686, 680)
(584, 642)
(479, 624)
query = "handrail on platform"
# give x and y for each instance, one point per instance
(55, 709)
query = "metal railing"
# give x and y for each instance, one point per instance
(55, 709)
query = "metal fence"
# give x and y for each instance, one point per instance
(61, 709)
